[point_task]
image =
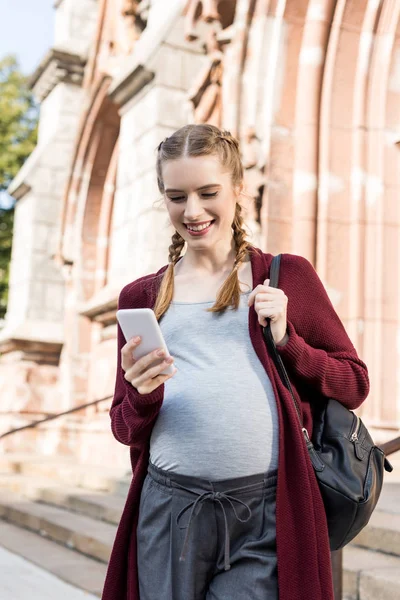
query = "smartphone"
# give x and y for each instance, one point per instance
(143, 322)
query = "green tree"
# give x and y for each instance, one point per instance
(18, 135)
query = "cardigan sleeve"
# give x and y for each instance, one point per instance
(319, 351)
(132, 414)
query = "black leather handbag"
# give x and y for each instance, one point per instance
(348, 466)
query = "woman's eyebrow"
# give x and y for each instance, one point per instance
(203, 187)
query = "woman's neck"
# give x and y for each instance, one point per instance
(186, 267)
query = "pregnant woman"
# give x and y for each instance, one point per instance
(224, 503)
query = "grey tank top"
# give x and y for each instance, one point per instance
(219, 416)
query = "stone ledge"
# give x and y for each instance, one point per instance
(102, 306)
(136, 79)
(21, 184)
(38, 339)
(42, 157)
(57, 66)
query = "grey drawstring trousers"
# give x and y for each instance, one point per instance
(207, 540)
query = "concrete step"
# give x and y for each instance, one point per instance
(64, 470)
(389, 500)
(375, 573)
(382, 533)
(10, 461)
(83, 517)
(84, 534)
(383, 584)
(97, 505)
(104, 507)
(80, 571)
(360, 564)
(91, 478)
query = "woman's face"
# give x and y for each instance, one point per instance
(197, 190)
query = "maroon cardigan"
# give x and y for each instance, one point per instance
(321, 361)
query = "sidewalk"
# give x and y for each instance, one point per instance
(20, 579)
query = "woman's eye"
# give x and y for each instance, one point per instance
(179, 198)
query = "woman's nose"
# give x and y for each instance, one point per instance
(193, 208)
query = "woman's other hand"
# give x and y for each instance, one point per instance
(271, 302)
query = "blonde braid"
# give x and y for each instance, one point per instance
(229, 294)
(164, 298)
(239, 235)
(175, 248)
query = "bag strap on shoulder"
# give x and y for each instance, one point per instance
(273, 282)
(274, 271)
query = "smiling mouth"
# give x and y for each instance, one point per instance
(204, 225)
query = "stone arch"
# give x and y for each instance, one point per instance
(105, 223)
(355, 168)
(100, 114)
(94, 210)
(85, 230)
(90, 194)
(341, 159)
(390, 335)
(381, 258)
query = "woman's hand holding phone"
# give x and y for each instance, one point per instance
(141, 373)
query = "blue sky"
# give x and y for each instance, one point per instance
(27, 30)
